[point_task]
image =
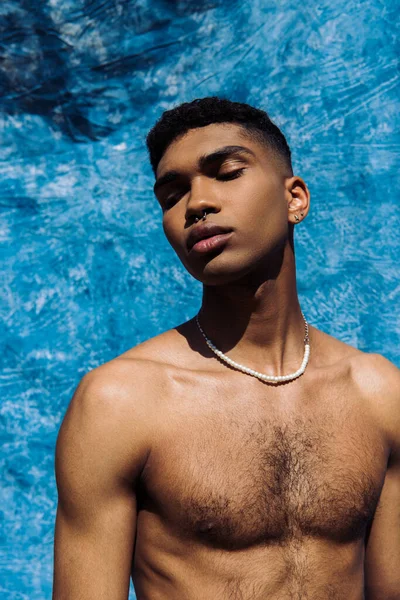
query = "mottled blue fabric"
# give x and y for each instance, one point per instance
(87, 272)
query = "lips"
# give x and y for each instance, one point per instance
(203, 231)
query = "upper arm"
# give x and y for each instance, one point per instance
(99, 454)
(382, 556)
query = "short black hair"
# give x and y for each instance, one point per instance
(205, 111)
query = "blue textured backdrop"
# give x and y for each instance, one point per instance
(87, 272)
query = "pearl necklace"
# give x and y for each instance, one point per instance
(262, 376)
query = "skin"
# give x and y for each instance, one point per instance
(199, 481)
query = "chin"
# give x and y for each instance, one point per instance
(217, 273)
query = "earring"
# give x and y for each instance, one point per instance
(297, 217)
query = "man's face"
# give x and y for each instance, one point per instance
(244, 190)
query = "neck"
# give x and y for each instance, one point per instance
(257, 323)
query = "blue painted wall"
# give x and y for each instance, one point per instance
(87, 272)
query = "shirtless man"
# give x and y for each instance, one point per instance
(201, 481)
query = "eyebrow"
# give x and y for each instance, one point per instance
(204, 161)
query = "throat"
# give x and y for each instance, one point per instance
(286, 348)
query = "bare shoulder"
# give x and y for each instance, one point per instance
(141, 370)
(378, 381)
(116, 402)
(328, 351)
(372, 372)
(370, 376)
(132, 383)
(124, 379)
(377, 378)
(375, 373)
(368, 370)
(171, 348)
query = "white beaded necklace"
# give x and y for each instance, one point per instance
(262, 376)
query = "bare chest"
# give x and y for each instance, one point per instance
(241, 479)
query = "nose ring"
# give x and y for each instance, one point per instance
(204, 217)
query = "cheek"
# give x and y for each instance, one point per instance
(265, 207)
(172, 233)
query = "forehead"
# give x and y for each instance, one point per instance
(185, 150)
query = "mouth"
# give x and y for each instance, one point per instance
(211, 243)
(203, 235)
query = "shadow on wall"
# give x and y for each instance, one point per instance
(86, 69)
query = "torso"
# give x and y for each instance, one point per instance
(252, 490)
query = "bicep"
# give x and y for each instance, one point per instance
(382, 556)
(92, 557)
(96, 463)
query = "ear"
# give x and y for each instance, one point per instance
(298, 199)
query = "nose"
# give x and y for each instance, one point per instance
(202, 199)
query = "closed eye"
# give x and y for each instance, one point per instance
(230, 175)
(172, 198)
